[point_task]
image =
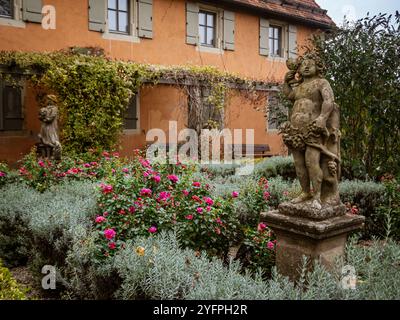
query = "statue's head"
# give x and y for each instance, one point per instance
(310, 65)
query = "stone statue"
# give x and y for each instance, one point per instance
(312, 134)
(50, 146)
(314, 225)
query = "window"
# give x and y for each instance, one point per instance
(207, 28)
(275, 41)
(6, 8)
(131, 118)
(118, 16)
(11, 117)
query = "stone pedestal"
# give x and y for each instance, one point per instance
(317, 236)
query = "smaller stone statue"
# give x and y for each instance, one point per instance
(50, 146)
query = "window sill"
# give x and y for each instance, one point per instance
(206, 49)
(277, 59)
(272, 131)
(121, 37)
(127, 132)
(12, 23)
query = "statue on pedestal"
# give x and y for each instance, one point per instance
(312, 134)
(49, 146)
(315, 224)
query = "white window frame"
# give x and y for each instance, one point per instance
(219, 16)
(138, 130)
(284, 41)
(133, 25)
(16, 20)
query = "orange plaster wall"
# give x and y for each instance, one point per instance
(159, 104)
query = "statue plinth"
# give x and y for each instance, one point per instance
(320, 237)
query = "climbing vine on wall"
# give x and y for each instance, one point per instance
(94, 91)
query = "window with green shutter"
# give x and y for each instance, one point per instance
(131, 117)
(11, 116)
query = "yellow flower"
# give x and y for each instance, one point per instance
(140, 251)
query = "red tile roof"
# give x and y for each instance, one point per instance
(305, 11)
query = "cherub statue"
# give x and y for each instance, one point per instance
(48, 135)
(312, 134)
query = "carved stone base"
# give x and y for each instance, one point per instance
(299, 236)
(305, 210)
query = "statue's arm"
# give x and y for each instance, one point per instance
(287, 89)
(327, 104)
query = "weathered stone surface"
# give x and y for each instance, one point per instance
(313, 132)
(305, 210)
(322, 240)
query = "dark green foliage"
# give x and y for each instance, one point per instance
(363, 66)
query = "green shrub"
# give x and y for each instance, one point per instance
(9, 289)
(156, 268)
(367, 196)
(43, 223)
(275, 166)
(389, 212)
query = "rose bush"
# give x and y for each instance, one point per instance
(145, 198)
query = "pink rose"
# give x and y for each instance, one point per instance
(208, 208)
(196, 184)
(107, 188)
(261, 227)
(132, 209)
(87, 165)
(41, 163)
(270, 245)
(125, 170)
(218, 220)
(199, 210)
(189, 217)
(209, 201)
(217, 230)
(109, 234)
(152, 229)
(163, 196)
(145, 192)
(100, 219)
(267, 195)
(2, 174)
(185, 192)
(173, 178)
(157, 179)
(235, 194)
(112, 245)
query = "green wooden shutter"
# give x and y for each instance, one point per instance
(229, 30)
(12, 108)
(130, 118)
(145, 23)
(292, 37)
(97, 15)
(192, 23)
(264, 37)
(32, 11)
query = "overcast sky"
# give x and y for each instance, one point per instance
(356, 9)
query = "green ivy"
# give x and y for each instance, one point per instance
(94, 91)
